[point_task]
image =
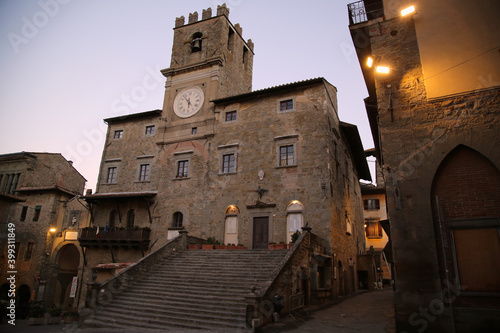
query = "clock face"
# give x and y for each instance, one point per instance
(188, 102)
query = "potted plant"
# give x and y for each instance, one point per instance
(37, 311)
(231, 246)
(194, 246)
(272, 246)
(55, 315)
(209, 244)
(295, 236)
(219, 246)
(241, 247)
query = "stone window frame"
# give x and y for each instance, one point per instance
(112, 163)
(24, 214)
(235, 112)
(228, 150)
(37, 213)
(120, 136)
(179, 157)
(152, 128)
(175, 225)
(144, 160)
(111, 174)
(285, 99)
(286, 140)
(144, 172)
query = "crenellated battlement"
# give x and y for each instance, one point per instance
(206, 14)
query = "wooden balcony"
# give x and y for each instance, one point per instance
(128, 238)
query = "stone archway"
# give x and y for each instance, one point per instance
(466, 210)
(68, 260)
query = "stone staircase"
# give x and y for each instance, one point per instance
(195, 289)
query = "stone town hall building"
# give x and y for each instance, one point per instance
(220, 160)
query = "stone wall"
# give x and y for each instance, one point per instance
(417, 134)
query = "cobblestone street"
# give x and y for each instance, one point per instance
(362, 312)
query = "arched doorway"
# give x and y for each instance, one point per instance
(466, 210)
(68, 260)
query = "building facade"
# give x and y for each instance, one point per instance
(35, 190)
(222, 161)
(433, 83)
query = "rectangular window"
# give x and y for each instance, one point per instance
(182, 169)
(371, 204)
(231, 116)
(286, 105)
(144, 172)
(373, 229)
(286, 155)
(24, 212)
(36, 216)
(118, 134)
(29, 251)
(194, 130)
(150, 130)
(111, 179)
(228, 163)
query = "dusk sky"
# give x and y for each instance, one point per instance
(68, 64)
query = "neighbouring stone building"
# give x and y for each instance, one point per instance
(377, 262)
(434, 106)
(222, 161)
(35, 189)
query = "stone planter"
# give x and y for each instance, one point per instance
(232, 247)
(277, 246)
(194, 246)
(207, 247)
(220, 247)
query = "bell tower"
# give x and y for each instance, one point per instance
(210, 60)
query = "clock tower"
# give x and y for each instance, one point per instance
(210, 60)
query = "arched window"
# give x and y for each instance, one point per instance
(177, 220)
(130, 218)
(112, 219)
(196, 42)
(294, 218)
(231, 225)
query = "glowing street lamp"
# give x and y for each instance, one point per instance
(382, 69)
(408, 10)
(52, 230)
(369, 62)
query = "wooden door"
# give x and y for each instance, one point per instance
(260, 232)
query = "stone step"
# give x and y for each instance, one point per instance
(149, 312)
(234, 306)
(145, 319)
(200, 295)
(191, 290)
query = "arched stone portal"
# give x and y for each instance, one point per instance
(68, 260)
(466, 210)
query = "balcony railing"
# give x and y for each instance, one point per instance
(130, 238)
(362, 11)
